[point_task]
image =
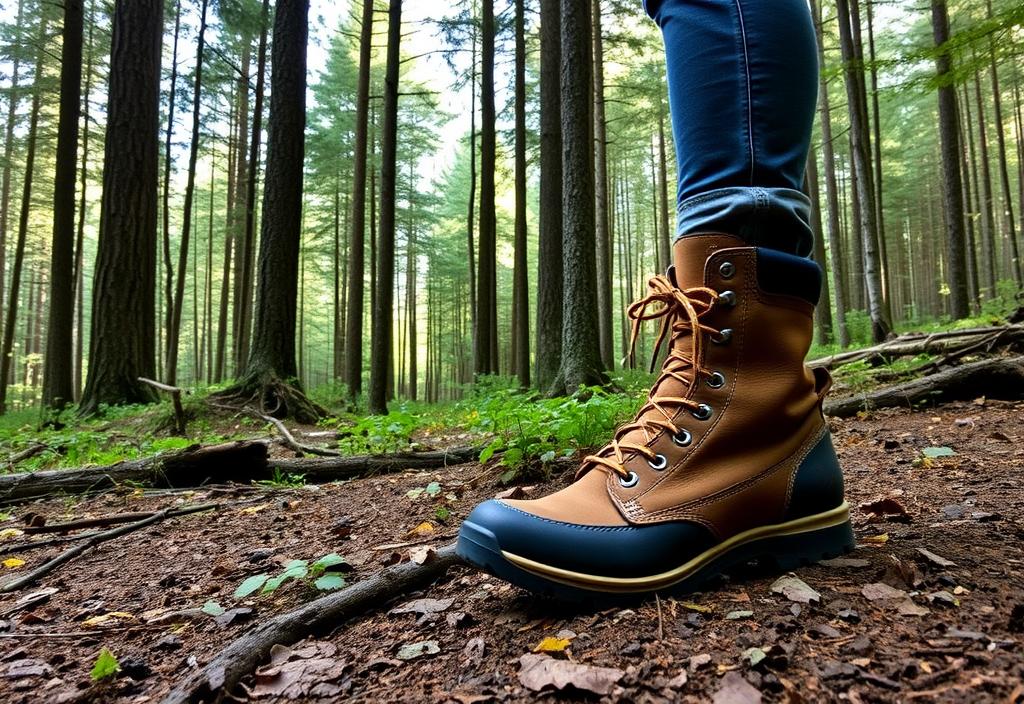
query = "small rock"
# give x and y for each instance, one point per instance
(908, 607)
(936, 559)
(412, 651)
(738, 615)
(136, 668)
(699, 661)
(734, 689)
(679, 681)
(795, 589)
(824, 630)
(879, 591)
(633, 649)
(849, 615)
(943, 598)
(169, 643)
(859, 646)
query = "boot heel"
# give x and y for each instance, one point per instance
(788, 552)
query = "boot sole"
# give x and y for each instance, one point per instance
(784, 546)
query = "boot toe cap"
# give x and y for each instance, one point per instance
(494, 529)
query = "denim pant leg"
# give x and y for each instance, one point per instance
(742, 82)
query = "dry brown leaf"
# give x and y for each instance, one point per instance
(422, 554)
(736, 690)
(539, 672)
(421, 531)
(878, 591)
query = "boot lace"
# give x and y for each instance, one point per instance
(680, 312)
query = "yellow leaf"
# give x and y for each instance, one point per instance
(113, 615)
(13, 563)
(254, 509)
(422, 530)
(10, 533)
(877, 539)
(552, 644)
(690, 606)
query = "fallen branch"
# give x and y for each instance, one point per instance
(29, 452)
(289, 440)
(950, 341)
(34, 544)
(99, 521)
(222, 674)
(335, 468)
(999, 377)
(71, 553)
(175, 392)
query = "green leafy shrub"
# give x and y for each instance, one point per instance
(316, 575)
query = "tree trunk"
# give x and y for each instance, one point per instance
(271, 375)
(581, 356)
(880, 323)
(165, 209)
(988, 226)
(178, 300)
(952, 186)
(383, 310)
(520, 278)
(58, 378)
(124, 286)
(549, 245)
(357, 236)
(603, 246)
(667, 231)
(876, 142)
(471, 205)
(13, 100)
(823, 311)
(247, 243)
(836, 261)
(79, 276)
(486, 352)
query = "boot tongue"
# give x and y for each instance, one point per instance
(692, 251)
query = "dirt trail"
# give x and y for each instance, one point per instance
(892, 622)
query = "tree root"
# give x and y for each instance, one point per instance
(71, 553)
(222, 674)
(999, 377)
(273, 396)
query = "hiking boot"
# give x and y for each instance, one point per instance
(729, 462)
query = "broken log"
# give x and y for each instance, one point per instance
(998, 377)
(241, 461)
(175, 393)
(329, 469)
(221, 675)
(946, 342)
(193, 466)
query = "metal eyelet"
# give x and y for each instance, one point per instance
(723, 337)
(702, 412)
(727, 269)
(682, 438)
(716, 380)
(658, 463)
(728, 298)
(629, 480)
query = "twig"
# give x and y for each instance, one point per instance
(661, 621)
(175, 392)
(77, 550)
(223, 673)
(27, 453)
(289, 440)
(33, 544)
(110, 520)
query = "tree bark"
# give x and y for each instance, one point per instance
(952, 185)
(549, 245)
(581, 356)
(988, 236)
(601, 234)
(357, 233)
(520, 278)
(13, 100)
(165, 192)
(58, 378)
(486, 339)
(178, 300)
(383, 309)
(124, 287)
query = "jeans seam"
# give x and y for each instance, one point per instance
(750, 90)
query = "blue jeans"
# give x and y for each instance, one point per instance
(743, 84)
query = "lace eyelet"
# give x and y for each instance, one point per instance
(727, 270)
(682, 438)
(723, 337)
(702, 412)
(658, 463)
(629, 480)
(716, 380)
(727, 298)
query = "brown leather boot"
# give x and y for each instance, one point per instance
(730, 461)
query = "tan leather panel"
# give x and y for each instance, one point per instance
(584, 502)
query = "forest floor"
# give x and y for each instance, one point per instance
(929, 607)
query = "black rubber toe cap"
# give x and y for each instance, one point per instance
(609, 551)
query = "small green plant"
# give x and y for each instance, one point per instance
(316, 575)
(106, 665)
(283, 480)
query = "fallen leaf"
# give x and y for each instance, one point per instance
(415, 650)
(943, 598)
(908, 607)
(13, 563)
(877, 539)
(106, 665)
(795, 589)
(8, 533)
(845, 562)
(878, 591)
(112, 615)
(754, 656)
(936, 559)
(699, 661)
(539, 672)
(933, 452)
(885, 507)
(232, 615)
(421, 531)
(212, 608)
(422, 554)
(736, 690)
(473, 653)
(737, 615)
(27, 667)
(250, 510)
(552, 645)
(699, 608)
(305, 672)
